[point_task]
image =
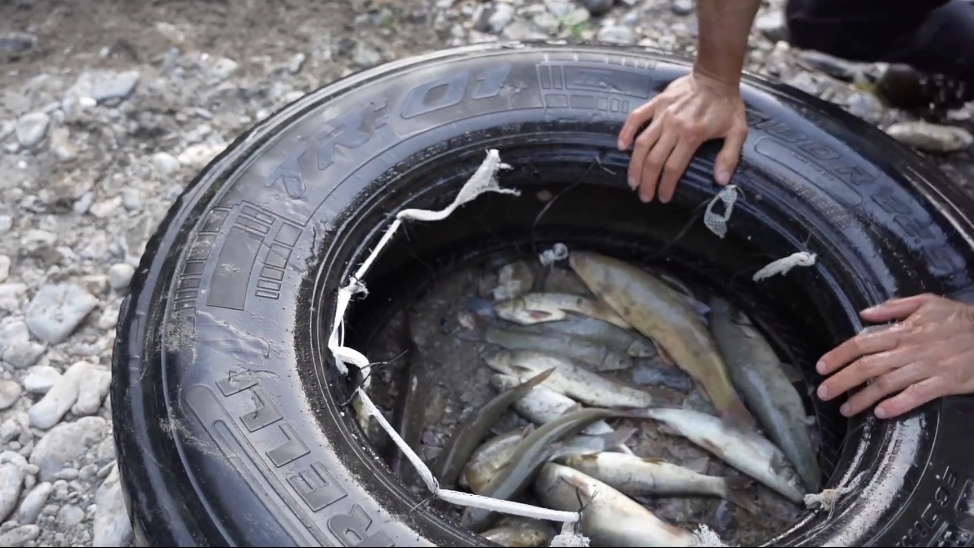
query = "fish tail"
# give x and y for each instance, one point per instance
(618, 438)
(735, 492)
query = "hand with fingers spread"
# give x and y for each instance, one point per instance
(927, 354)
(691, 111)
(704, 105)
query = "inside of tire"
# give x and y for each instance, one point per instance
(577, 195)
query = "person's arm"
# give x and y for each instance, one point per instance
(694, 109)
(724, 26)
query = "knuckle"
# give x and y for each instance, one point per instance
(673, 168)
(869, 366)
(883, 384)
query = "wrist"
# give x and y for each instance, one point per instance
(726, 83)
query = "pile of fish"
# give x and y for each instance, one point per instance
(553, 356)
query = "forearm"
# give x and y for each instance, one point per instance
(724, 26)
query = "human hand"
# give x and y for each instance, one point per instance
(927, 355)
(690, 111)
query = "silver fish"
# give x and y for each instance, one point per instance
(605, 333)
(659, 312)
(520, 533)
(569, 378)
(551, 307)
(759, 375)
(495, 453)
(745, 450)
(609, 518)
(599, 356)
(637, 476)
(542, 405)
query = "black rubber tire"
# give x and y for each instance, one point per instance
(226, 402)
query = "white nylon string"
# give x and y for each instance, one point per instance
(483, 180)
(783, 265)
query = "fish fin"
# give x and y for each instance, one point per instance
(735, 415)
(537, 379)
(792, 373)
(736, 491)
(662, 353)
(709, 446)
(654, 460)
(539, 316)
(527, 431)
(618, 437)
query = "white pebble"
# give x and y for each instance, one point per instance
(119, 275)
(40, 379)
(59, 399)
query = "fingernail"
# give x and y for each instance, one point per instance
(620, 145)
(844, 409)
(723, 177)
(664, 199)
(632, 182)
(823, 392)
(881, 413)
(820, 367)
(644, 198)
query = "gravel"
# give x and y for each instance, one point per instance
(109, 109)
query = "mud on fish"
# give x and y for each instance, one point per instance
(656, 403)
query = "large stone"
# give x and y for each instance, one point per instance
(112, 524)
(13, 469)
(65, 443)
(57, 310)
(60, 398)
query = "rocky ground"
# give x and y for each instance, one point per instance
(108, 109)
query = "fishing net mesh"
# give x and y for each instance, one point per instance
(717, 222)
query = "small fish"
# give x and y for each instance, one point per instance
(637, 476)
(746, 450)
(542, 405)
(489, 458)
(759, 375)
(552, 307)
(569, 378)
(659, 312)
(472, 431)
(493, 455)
(609, 518)
(521, 533)
(528, 458)
(604, 333)
(598, 356)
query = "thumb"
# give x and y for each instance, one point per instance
(895, 309)
(729, 156)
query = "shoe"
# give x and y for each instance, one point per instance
(903, 87)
